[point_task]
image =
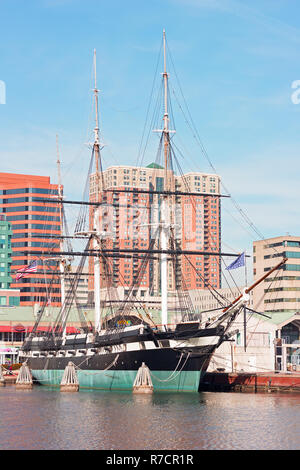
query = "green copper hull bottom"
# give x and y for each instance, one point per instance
(184, 381)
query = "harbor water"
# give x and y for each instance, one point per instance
(47, 419)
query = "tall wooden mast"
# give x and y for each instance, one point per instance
(62, 258)
(60, 197)
(166, 116)
(96, 221)
(96, 129)
(165, 210)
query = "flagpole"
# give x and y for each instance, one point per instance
(246, 280)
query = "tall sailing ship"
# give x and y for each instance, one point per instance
(108, 353)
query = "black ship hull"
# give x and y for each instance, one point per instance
(176, 361)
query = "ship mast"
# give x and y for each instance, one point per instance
(164, 227)
(96, 129)
(61, 244)
(166, 116)
(96, 241)
(62, 258)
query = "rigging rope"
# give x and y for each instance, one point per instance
(85, 372)
(168, 379)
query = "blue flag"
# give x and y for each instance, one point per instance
(238, 262)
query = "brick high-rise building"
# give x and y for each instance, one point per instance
(26, 202)
(130, 219)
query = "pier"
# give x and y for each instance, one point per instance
(250, 382)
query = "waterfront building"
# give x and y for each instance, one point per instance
(269, 344)
(206, 301)
(18, 322)
(281, 291)
(34, 217)
(263, 353)
(263, 344)
(81, 297)
(8, 296)
(5, 252)
(130, 219)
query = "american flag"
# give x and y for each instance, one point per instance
(31, 268)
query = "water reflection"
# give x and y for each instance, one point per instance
(44, 418)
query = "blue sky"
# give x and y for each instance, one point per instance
(236, 61)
